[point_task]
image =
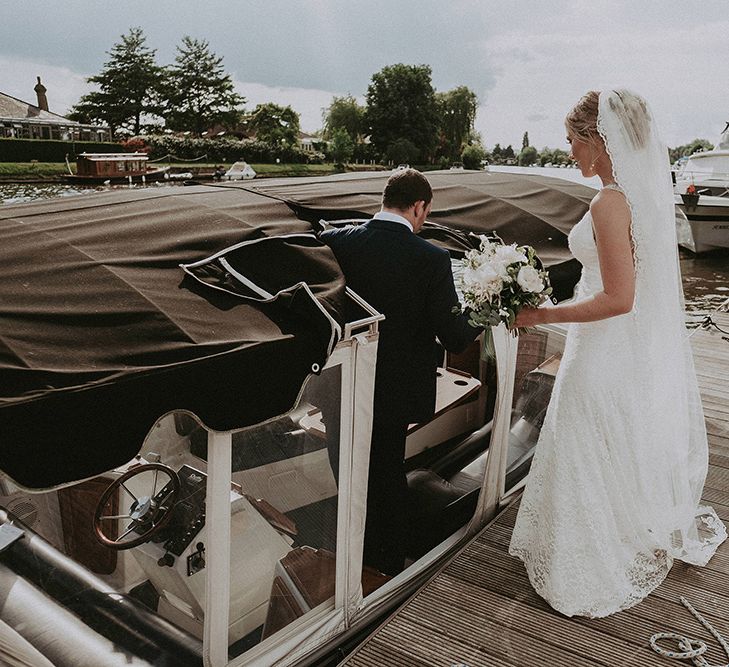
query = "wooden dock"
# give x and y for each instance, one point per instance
(481, 611)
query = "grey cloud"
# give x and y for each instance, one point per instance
(326, 44)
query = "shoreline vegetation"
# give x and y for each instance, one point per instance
(53, 172)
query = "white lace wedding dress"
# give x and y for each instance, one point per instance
(612, 496)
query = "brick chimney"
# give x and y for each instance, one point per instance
(40, 91)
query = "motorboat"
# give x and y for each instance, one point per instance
(178, 366)
(98, 168)
(702, 195)
(239, 171)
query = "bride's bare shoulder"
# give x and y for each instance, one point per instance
(610, 205)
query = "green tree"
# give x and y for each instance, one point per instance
(508, 152)
(525, 140)
(528, 156)
(472, 156)
(347, 114)
(401, 106)
(688, 149)
(403, 151)
(128, 86)
(275, 125)
(199, 94)
(456, 116)
(341, 146)
(552, 156)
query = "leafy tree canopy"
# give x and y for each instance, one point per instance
(347, 114)
(528, 156)
(403, 151)
(401, 105)
(688, 149)
(472, 156)
(128, 86)
(199, 94)
(341, 146)
(275, 125)
(456, 116)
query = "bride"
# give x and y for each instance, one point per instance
(614, 489)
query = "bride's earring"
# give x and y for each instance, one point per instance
(594, 162)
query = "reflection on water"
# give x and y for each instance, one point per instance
(18, 193)
(705, 278)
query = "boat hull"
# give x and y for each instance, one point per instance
(708, 222)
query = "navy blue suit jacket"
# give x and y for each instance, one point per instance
(410, 281)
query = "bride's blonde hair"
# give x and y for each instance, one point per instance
(581, 121)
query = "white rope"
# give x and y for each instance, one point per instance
(691, 649)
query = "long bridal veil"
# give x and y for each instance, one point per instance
(674, 445)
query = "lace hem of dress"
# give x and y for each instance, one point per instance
(712, 532)
(646, 572)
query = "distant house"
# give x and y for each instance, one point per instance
(22, 120)
(311, 143)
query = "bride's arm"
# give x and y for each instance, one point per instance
(611, 225)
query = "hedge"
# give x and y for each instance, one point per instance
(222, 149)
(50, 150)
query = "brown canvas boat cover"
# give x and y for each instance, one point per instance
(103, 331)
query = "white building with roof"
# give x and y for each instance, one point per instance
(23, 120)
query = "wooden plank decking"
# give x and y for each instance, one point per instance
(480, 610)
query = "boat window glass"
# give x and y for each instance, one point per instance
(284, 525)
(538, 358)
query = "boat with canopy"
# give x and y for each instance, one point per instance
(175, 366)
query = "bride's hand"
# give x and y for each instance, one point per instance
(528, 317)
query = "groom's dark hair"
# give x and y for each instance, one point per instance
(404, 188)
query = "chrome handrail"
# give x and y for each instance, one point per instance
(371, 323)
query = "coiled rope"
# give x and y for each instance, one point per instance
(691, 649)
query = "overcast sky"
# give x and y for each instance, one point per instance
(527, 61)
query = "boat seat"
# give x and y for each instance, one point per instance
(43, 632)
(438, 507)
(118, 618)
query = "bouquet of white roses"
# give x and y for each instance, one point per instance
(496, 281)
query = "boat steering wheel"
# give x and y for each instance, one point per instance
(147, 514)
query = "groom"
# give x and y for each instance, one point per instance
(409, 280)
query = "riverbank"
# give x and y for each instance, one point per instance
(53, 172)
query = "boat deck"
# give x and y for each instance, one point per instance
(480, 609)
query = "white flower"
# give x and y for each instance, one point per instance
(483, 280)
(509, 254)
(529, 279)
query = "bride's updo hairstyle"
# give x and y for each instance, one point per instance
(581, 122)
(631, 109)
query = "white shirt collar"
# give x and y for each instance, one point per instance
(393, 217)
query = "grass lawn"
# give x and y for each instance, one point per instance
(9, 170)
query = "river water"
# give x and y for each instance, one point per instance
(705, 277)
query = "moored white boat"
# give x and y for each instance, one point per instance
(702, 195)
